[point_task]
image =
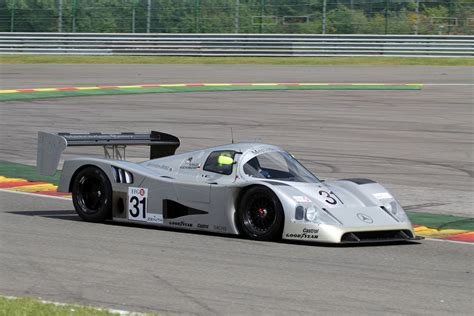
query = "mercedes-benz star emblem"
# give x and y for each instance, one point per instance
(365, 218)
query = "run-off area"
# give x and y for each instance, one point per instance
(417, 143)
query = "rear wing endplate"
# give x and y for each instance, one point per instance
(51, 146)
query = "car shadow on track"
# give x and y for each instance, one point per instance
(57, 214)
(72, 216)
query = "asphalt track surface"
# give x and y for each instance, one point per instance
(418, 143)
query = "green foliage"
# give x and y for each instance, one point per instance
(224, 16)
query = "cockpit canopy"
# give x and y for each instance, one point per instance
(221, 161)
(277, 165)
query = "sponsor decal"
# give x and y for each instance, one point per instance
(203, 226)
(261, 150)
(365, 218)
(155, 218)
(301, 199)
(219, 228)
(382, 195)
(181, 224)
(308, 233)
(302, 236)
(138, 207)
(137, 204)
(163, 167)
(189, 164)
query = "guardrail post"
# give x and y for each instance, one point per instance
(417, 12)
(74, 9)
(60, 16)
(450, 13)
(12, 17)
(197, 13)
(134, 3)
(324, 15)
(386, 16)
(237, 16)
(262, 12)
(148, 16)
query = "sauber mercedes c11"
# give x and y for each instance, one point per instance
(251, 189)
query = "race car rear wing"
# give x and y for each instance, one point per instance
(51, 146)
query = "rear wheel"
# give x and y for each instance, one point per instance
(260, 214)
(92, 194)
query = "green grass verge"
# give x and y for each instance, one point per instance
(441, 221)
(77, 93)
(17, 170)
(72, 59)
(33, 307)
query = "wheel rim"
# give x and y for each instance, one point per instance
(260, 214)
(91, 195)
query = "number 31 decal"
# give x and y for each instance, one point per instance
(137, 204)
(329, 199)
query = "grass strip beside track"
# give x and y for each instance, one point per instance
(13, 95)
(441, 221)
(362, 61)
(17, 170)
(34, 307)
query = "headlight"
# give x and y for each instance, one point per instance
(390, 207)
(396, 210)
(311, 213)
(314, 215)
(319, 216)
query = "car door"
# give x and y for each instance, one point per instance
(190, 187)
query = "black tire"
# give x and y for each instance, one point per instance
(260, 215)
(92, 195)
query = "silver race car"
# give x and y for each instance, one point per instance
(251, 189)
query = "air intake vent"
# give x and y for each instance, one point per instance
(376, 236)
(122, 176)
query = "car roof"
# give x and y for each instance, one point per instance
(245, 147)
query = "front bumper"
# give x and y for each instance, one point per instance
(349, 235)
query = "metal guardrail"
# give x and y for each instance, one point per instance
(283, 45)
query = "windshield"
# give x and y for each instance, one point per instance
(278, 165)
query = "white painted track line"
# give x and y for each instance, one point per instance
(36, 194)
(448, 84)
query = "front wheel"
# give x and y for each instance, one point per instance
(260, 214)
(92, 195)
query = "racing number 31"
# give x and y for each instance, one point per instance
(137, 204)
(329, 199)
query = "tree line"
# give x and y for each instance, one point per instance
(240, 16)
